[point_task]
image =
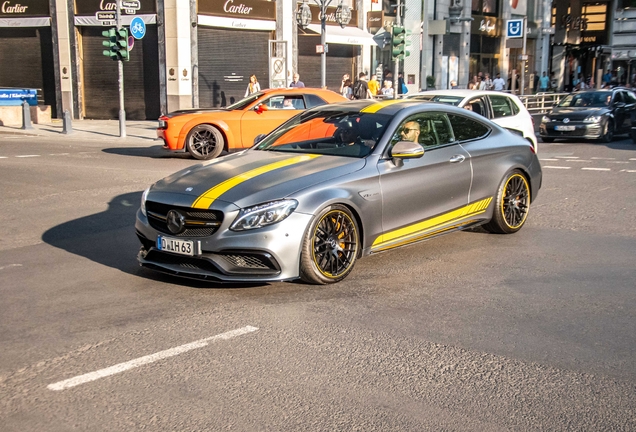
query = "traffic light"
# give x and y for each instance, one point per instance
(122, 44)
(117, 43)
(407, 43)
(398, 35)
(111, 43)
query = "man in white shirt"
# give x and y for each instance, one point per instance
(499, 83)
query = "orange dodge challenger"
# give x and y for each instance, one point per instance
(206, 132)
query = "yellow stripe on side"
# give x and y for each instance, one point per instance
(422, 229)
(377, 106)
(207, 198)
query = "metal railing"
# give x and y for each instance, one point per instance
(541, 102)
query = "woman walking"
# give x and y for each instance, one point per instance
(253, 86)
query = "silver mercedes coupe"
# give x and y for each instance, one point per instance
(334, 184)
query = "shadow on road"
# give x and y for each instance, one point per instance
(155, 152)
(109, 238)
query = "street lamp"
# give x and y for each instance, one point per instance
(303, 18)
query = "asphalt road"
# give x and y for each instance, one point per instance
(468, 332)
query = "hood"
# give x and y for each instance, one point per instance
(576, 113)
(252, 177)
(194, 111)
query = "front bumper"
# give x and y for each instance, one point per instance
(268, 254)
(581, 130)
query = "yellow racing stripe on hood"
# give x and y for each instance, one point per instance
(205, 200)
(377, 106)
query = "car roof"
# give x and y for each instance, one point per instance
(388, 107)
(461, 93)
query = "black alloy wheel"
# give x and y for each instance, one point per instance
(331, 245)
(204, 142)
(511, 206)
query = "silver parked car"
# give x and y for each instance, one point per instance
(334, 184)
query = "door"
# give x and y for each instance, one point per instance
(432, 185)
(278, 109)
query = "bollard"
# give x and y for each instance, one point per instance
(26, 116)
(67, 127)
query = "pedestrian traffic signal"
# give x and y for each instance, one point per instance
(117, 43)
(398, 35)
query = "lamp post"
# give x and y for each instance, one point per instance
(303, 18)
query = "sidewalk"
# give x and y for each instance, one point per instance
(98, 130)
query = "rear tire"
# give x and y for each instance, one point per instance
(511, 205)
(330, 247)
(204, 142)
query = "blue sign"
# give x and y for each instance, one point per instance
(137, 28)
(16, 96)
(514, 28)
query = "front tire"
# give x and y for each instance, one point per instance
(330, 247)
(511, 206)
(608, 133)
(204, 142)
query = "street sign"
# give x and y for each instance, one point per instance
(514, 28)
(131, 4)
(549, 30)
(106, 16)
(138, 28)
(523, 57)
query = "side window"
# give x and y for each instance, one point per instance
(515, 107)
(285, 102)
(466, 129)
(478, 106)
(630, 97)
(428, 129)
(500, 106)
(313, 101)
(618, 97)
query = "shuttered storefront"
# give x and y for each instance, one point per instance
(340, 60)
(100, 77)
(227, 58)
(26, 60)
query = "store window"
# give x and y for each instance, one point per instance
(485, 7)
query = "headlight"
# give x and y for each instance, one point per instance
(545, 119)
(263, 214)
(143, 201)
(593, 119)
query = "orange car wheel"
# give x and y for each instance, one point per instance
(204, 142)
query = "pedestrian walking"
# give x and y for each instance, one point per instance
(387, 90)
(361, 88)
(253, 86)
(346, 89)
(544, 83)
(296, 82)
(374, 85)
(498, 83)
(486, 83)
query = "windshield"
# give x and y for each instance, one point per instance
(243, 103)
(588, 99)
(450, 100)
(336, 133)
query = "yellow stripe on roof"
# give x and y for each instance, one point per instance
(205, 200)
(377, 106)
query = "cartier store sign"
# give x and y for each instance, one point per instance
(247, 9)
(24, 8)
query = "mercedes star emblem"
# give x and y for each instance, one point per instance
(175, 222)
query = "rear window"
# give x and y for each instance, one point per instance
(313, 101)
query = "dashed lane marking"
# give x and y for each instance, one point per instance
(59, 154)
(577, 160)
(556, 167)
(26, 156)
(4, 157)
(596, 169)
(122, 367)
(566, 157)
(551, 160)
(602, 158)
(629, 171)
(10, 266)
(618, 162)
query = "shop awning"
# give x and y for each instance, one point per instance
(25, 22)
(345, 36)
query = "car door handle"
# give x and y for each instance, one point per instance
(457, 159)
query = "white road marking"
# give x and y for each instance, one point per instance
(556, 167)
(549, 160)
(59, 154)
(578, 160)
(23, 156)
(632, 158)
(122, 367)
(567, 157)
(603, 158)
(4, 157)
(10, 265)
(596, 169)
(618, 162)
(629, 171)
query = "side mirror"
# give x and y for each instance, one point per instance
(619, 104)
(259, 138)
(260, 108)
(407, 150)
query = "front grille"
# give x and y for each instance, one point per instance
(246, 261)
(198, 223)
(187, 263)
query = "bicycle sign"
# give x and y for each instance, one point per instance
(138, 28)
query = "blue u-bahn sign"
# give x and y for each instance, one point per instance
(11, 96)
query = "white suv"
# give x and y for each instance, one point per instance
(502, 108)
